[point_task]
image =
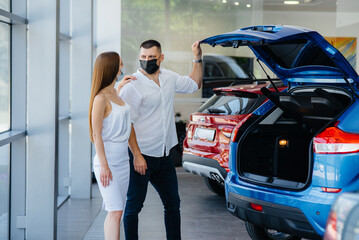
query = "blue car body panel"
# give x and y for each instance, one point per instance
(255, 37)
(313, 202)
(328, 170)
(336, 171)
(349, 121)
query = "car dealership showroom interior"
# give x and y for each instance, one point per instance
(179, 119)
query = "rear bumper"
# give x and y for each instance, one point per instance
(312, 202)
(282, 218)
(204, 167)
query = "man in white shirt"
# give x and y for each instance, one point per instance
(151, 98)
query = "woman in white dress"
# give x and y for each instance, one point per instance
(110, 130)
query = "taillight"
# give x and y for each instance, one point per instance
(331, 190)
(333, 141)
(257, 207)
(236, 128)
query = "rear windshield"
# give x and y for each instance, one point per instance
(227, 105)
(297, 54)
(219, 69)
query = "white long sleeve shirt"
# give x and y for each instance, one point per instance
(152, 111)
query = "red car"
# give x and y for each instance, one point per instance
(206, 146)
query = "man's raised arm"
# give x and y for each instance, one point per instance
(197, 69)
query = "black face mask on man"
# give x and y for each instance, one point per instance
(150, 66)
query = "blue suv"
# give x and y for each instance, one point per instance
(300, 149)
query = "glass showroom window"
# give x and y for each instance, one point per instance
(4, 77)
(5, 5)
(64, 104)
(4, 191)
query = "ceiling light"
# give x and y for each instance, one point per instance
(291, 2)
(224, 1)
(236, 3)
(248, 5)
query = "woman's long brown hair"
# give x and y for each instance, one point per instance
(104, 73)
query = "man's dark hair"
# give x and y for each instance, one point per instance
(151, 43)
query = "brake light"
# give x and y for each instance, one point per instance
(236, 128)
(333, 141)
(257, 207)
(331, 190)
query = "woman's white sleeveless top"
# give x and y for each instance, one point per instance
(115, 133)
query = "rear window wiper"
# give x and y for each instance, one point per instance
(215, 110)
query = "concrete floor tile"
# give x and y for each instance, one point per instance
(203, 215)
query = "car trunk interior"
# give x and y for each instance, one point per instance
(276, 149)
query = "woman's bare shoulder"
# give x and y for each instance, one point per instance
(100, 100)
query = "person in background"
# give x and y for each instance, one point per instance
(151, 98)
(110, 130)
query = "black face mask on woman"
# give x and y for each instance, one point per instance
(150, 66)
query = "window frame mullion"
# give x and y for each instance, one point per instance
(11, 136)
(13, 18)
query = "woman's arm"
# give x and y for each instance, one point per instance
(98, 113)
(126, 79)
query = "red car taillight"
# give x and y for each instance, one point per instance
(333, 141)
(331, 190)
(257, 207)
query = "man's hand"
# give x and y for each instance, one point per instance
(197, 51)
(140, 164)
(197, 70)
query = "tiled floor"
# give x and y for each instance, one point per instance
(76, 216)
(204, 215)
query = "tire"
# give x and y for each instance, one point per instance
(214, 186)
(261, 233)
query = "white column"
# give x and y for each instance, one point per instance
(108, 26)
(81, 72)
(18, 122)
(64, 103)
(42, 120)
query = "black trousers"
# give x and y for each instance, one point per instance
(161, 173)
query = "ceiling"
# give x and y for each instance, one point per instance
(304, 5)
